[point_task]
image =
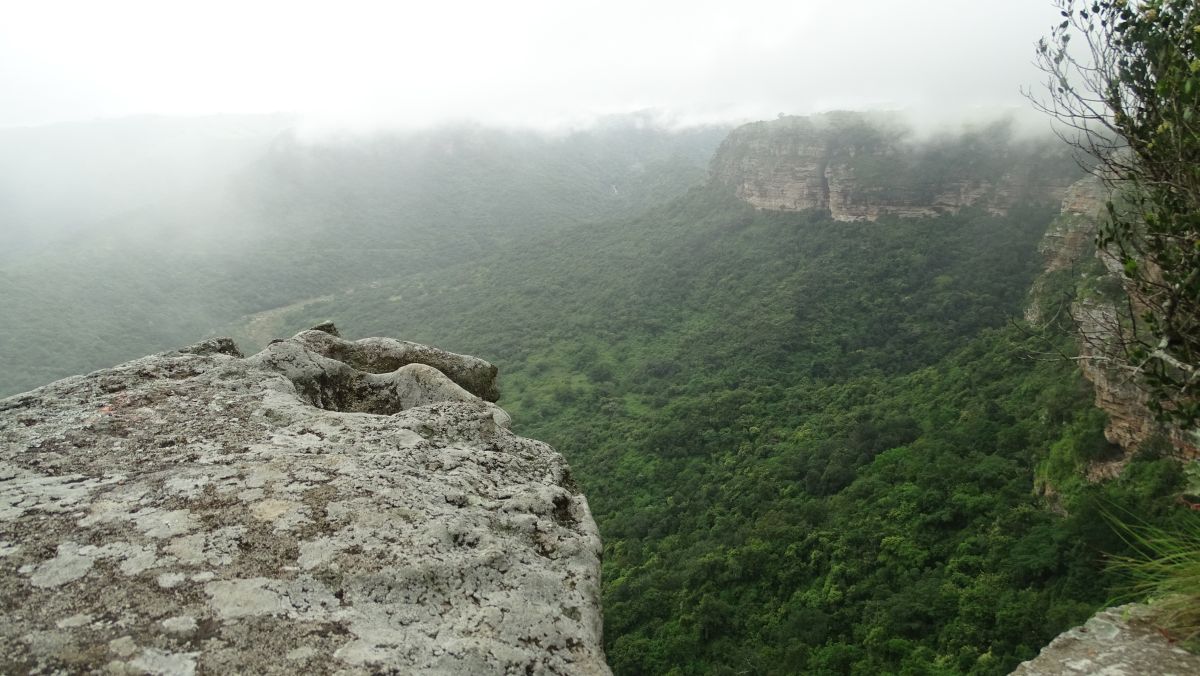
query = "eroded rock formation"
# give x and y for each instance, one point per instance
(324, 506)
(861, 167)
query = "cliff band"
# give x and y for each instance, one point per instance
(860, 167)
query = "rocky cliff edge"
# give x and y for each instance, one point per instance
(323, 506)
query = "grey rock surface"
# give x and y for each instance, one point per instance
(324, 506)
(1117, 641)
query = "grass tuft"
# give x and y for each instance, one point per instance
(1164, 571)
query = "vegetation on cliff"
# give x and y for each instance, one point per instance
(1127, 92)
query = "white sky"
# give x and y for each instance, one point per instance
(511, 61)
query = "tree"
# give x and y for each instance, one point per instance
(1123, 82)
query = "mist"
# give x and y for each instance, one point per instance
(60, 179)
(526, 64)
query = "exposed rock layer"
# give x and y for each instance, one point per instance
(1100, 301)
(1115, 641)
(324, 506)
(861, 167)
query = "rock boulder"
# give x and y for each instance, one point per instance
(324, 506)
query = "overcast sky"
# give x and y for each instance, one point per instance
(511, 61)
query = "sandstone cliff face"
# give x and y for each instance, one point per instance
(324, 506)
(1071, 236)
(1096, 312)
(861, 167)
(1070, 239)
(777, 165)
(1131, 423)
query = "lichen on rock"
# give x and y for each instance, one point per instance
(323, 506)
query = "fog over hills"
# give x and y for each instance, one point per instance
(234, 215)
(70, 178)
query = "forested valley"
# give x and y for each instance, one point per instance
(811, 446)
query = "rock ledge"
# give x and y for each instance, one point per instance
(1117, 642)
(323, 506)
